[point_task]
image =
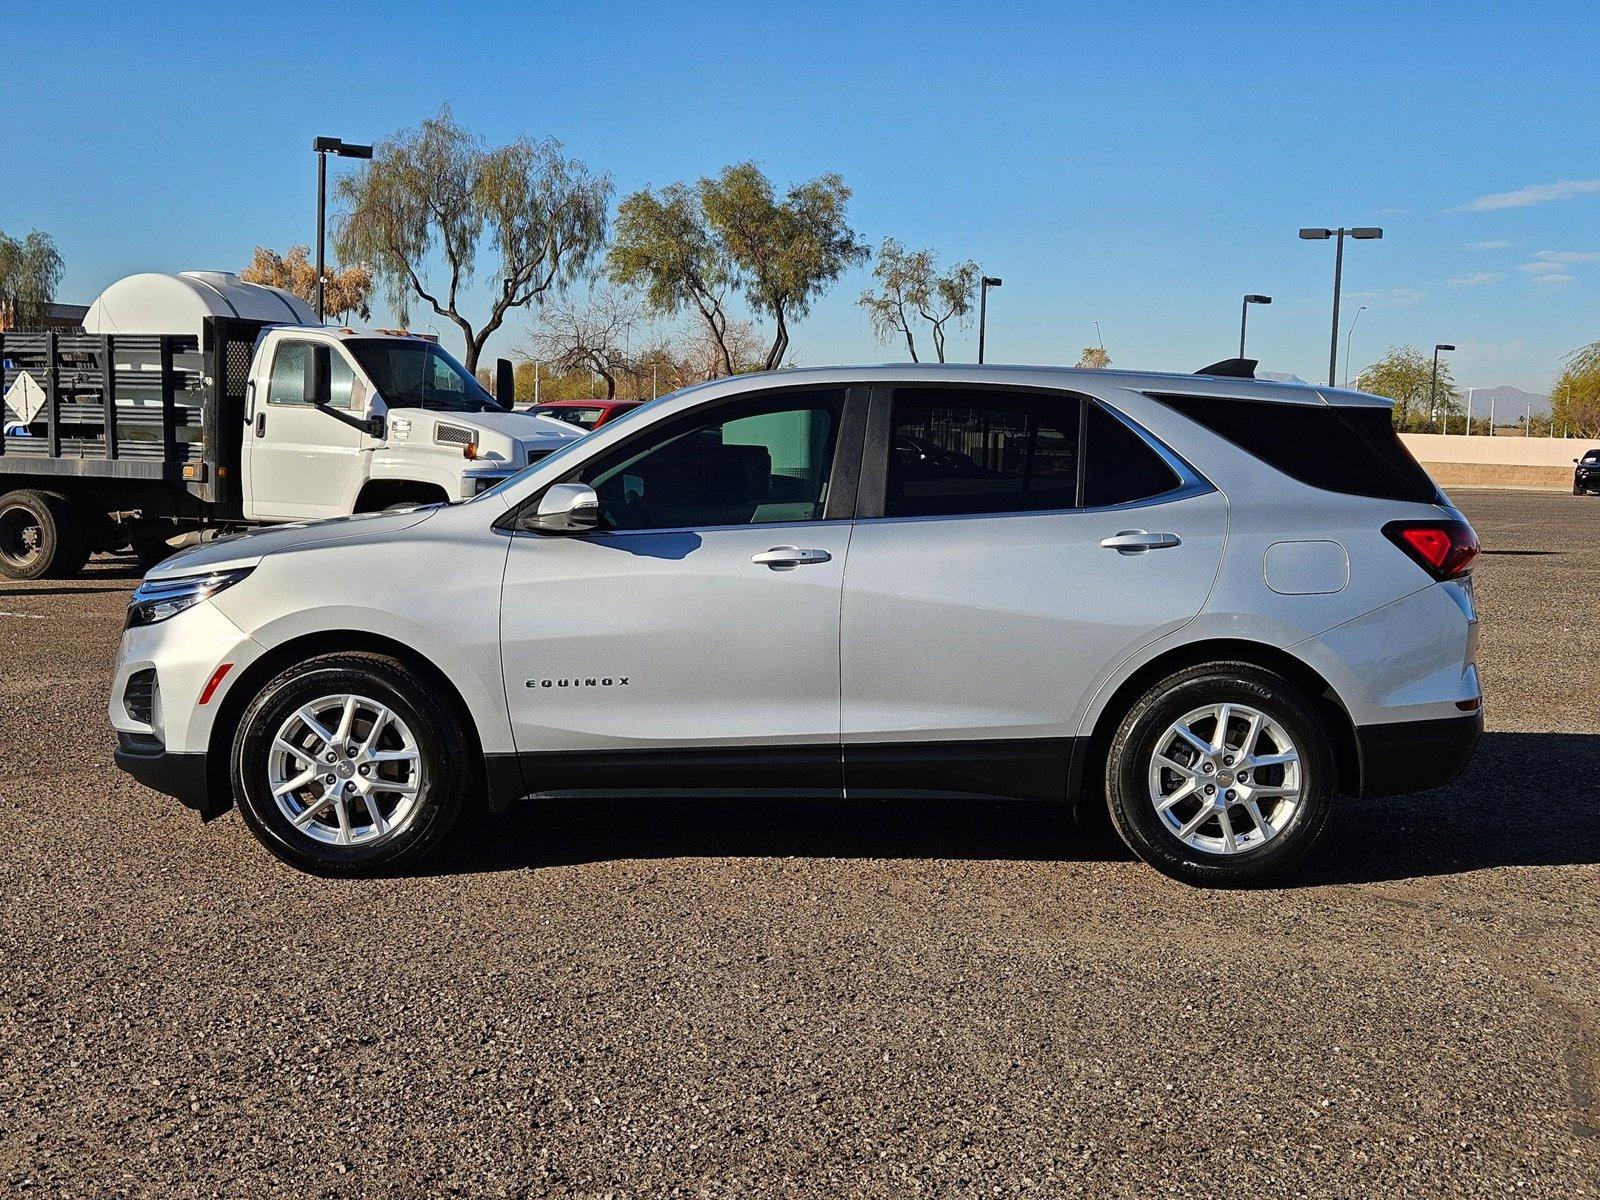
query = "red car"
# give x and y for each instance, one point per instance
(586, 414)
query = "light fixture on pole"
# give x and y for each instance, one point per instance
(1350, 333)
(987, 282)
(1360, 233)
(1244, 315)
(1433, 387)
(322, 147)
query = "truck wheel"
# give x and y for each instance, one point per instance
(345, 765)
(38, 539)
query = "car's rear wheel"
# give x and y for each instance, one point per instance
(346, 765)
(1220, 775)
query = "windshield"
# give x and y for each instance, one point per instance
(410, 373)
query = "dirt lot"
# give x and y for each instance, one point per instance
(715, 999)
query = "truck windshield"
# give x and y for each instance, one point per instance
(410, 373)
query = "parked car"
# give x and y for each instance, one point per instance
(586, 414)
(1214, 602)
(1586, 473)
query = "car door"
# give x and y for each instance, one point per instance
(299, 463)
(692, 641)
(1011, 545)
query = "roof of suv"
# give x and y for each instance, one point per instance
(1078, 377)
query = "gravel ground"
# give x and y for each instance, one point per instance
(715, 999)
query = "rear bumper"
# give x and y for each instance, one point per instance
(1412, 756)
(183, 776)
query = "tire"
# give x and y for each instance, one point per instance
(350, 842)
(1292, 823)
(38, 537)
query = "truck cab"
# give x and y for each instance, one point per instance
(343, 421)
(195, 404)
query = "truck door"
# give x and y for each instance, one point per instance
(300, 464)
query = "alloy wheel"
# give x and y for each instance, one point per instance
(1225, 778)
(346, 771)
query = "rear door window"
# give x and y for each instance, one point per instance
(977, 450)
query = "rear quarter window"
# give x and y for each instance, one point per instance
(1353, 450)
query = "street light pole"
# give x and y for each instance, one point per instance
(1361, 233)
(1350, 333)
(322, 147)
(1244, 315)
(987, 282)
(1433, 386)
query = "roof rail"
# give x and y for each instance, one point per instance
(1231, 368)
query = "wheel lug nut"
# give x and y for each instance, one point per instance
(1229, 794)
(1244, 776)
(1208, 768)
(1227, 760)
(331, 756)
(1211, 789)
(350, 787)
(330, 779)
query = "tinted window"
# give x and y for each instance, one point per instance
(1592, 457)
(964, 450)
(1343, 449)
(743, 464)
(1119, 467)
(288, 384)
(411, 373)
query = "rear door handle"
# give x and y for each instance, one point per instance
(781, 558)
(261, 424)
(1137, 541)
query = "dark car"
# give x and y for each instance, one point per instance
(1586, 474)
(586, 414)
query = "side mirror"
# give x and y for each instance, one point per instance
(505, 383)
(566, 508)
(319, 375)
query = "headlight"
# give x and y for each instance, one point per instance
(156, 601)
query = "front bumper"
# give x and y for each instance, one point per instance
(1412, 756)
(183, 776)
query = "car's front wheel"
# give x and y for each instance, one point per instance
(347, 765)
(1221, 774)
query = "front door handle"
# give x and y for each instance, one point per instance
(261, 424)
(781, 558)
(1137, 541)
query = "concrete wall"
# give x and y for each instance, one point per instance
(1456, 460)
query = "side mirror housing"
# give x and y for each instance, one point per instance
(319, 375)
(505, 383)
(566, 508)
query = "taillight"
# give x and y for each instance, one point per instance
(1444, 549)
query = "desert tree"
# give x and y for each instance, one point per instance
(1575, 399)
(1095, 357)
(1405, 375)
(592, 335)
(784, 253)
(438, 193)
(30, 272)
(909, 287)
(663, 247)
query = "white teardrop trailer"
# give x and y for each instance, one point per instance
(196, 404)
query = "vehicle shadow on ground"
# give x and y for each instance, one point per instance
(543, 833)
(1526, 799)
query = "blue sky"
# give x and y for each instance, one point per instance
(1142, 165)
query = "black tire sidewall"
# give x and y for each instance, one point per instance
(1129, 756)
(58, 542)
(435, 727)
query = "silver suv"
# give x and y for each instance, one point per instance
(1212, 602)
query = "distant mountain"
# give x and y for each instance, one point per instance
(1509, 403)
